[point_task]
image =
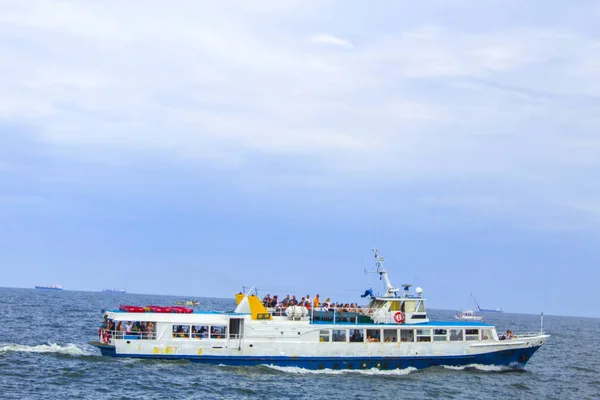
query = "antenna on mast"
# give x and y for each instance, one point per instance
(390, 290)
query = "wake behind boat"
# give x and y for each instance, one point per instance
(392, 331)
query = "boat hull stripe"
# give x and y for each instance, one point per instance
(516, 358)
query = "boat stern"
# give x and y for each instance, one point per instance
(105, 348)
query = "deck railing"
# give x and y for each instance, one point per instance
(107, 336)
(332, 315)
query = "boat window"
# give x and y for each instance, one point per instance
(373, 335)
(423, 335)
(396, 306)
(375, 304)
(407, 335)
(181, 331)
(218, 332)
(410, 306)
(338, 335)
(324, 336)
(200, 331)
(129, 330)
(439, 335)
(456, 335)
(471, 334)
(390, 335)
(486, 334)
(357, 335)
(421, 306)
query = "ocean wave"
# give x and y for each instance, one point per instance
(69, 349)
(371, 371)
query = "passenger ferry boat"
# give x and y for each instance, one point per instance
(392, 332)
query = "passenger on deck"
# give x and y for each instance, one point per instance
(195, 334)
(266, 300)
(150, 330)
(286, 301)
(203, 332)
(181, 332)
(293, 301)
(128, 327)
(317, 302)
(274, 302)
(143, 329)
(509, 334)
(307, 304)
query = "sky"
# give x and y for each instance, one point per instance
(209, 146)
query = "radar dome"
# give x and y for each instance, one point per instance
(418, 291)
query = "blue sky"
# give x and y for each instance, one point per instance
(196, 149)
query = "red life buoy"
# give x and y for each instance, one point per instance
(399, 317)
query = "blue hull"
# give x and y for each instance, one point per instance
(508, 358)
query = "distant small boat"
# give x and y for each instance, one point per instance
(114, 291)
(469, 315)
(49, 287)
(187, 303)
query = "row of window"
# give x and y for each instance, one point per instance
(200, 331)
(402, 335)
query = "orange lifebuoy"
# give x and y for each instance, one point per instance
(399, 317)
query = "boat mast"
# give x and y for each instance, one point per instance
(390, 290)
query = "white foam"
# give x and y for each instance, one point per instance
(481, 367)
(371, 371)
(70, 349)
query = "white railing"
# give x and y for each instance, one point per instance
(108, 336)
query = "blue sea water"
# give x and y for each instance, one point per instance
(44, 354)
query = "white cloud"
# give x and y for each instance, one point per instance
(331, 40)
(226, 85)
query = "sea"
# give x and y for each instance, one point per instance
(44, 354)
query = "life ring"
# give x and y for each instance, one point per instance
(399, 317)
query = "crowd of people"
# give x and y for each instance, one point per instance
(315, 304)
(141, 330)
